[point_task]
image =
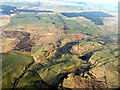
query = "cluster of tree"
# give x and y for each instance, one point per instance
(26, 10)
(93, 16)
(7, 9)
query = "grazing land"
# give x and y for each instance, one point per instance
(13, 65)
(58, 44)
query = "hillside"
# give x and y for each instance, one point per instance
(48, 46)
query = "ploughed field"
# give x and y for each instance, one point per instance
(49, 50)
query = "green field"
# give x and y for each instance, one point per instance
(28, 20)
(53, 69)
(25, 21)
(29, 80)
(82, 27)
(51, 72)
(42, 48)
(103, 57)
(13, 65)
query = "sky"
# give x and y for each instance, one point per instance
(103, 0)
(95, 1)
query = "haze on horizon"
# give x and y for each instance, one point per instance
(97, 1)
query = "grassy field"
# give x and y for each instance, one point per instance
(53, 73)
(25, 21)
(82, 27)
(58, 22)
(13, 65)
(59, 44)
(103, 57)
(29, 80)
(52, 69)
(28, 20)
